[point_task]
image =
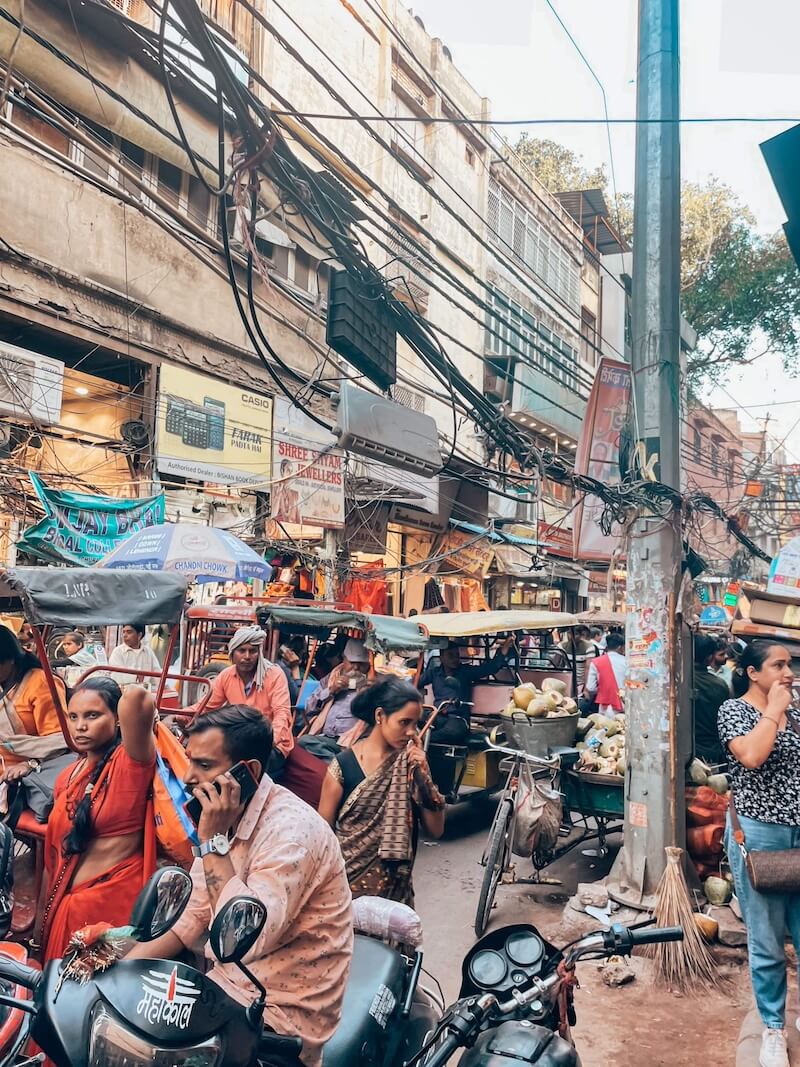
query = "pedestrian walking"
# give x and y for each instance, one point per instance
(606, 677)
(377, 793)
(762, 735)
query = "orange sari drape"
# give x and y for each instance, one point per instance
(121, 804)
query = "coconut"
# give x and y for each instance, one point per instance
(609, 750)
(708, 927)
(538, 707)
(523, 694)
(509, 709)
(554, 685)
(698, 772)
(584, 725)
(570, 706)
(622, 766)
(719, 783)
(717, 890)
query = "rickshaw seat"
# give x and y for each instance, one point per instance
(489, 699)
(29, 825)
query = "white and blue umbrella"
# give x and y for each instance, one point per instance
(202, 553)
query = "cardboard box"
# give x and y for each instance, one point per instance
(775, 611)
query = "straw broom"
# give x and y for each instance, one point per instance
(683, 964)
(686, 964)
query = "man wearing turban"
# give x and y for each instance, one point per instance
(253, 680)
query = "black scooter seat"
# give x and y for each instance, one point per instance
(374, 988)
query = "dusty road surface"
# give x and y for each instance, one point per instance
(637, 1025)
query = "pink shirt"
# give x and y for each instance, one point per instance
(285, 854)
(272, 700)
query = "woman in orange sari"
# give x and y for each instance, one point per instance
(100, 844)
(30, 731)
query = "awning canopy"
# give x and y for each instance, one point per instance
(476, 623)
(72, 596)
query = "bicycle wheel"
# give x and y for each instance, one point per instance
(496, 857)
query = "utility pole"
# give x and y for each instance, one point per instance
(654, 815)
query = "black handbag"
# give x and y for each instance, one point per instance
(769, 871)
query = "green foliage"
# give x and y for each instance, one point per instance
(558, 168)
(740, 289)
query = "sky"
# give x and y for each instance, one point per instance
(737, 58)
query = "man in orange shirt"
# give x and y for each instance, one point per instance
(253, 680)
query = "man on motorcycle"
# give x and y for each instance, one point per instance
(276, 848)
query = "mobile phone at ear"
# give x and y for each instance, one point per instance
(247, 786)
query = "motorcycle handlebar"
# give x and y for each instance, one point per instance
(443, 1053)
(19, 974)
(658, 936)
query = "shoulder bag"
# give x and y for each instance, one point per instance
(769, 871)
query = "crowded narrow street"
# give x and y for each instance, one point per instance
(399, 533)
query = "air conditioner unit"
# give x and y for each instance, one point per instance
(31, 385)
(380, 429)
(439, 521)
(134, 9)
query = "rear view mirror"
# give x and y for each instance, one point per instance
(235, 930)
(161, 903)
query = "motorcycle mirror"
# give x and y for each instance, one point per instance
(235, 930)
(161, 903)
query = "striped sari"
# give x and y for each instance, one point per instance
(377, 828)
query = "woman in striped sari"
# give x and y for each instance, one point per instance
(376, 794)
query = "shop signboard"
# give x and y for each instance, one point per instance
(557, 540)
(307, 472)
(784, 571)
(211, 431)
(598, 455)
(81, 529)
(465, 553)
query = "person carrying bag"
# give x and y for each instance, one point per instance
(761, 734)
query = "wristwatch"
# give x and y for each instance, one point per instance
(218, 844)
(35, 764)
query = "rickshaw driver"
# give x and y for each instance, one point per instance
(453, 680)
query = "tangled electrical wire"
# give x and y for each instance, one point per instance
(263, 151)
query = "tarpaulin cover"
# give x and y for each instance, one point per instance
(382, 633)
(75, 597)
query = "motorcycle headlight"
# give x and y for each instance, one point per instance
(111, 1044)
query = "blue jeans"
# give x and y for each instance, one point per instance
(767, 917)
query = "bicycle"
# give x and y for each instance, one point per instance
(497, 856)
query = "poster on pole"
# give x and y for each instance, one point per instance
(307, 472)
(211, 431)
(598, 454)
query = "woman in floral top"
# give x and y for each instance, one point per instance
(762, 735)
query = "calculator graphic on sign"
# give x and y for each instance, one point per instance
(201, 427)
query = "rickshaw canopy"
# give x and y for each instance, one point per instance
(382, 633)
(478, 623)
(76, 596)
(602, 618)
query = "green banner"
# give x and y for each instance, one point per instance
(80, 529)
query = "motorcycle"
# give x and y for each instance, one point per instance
(516, 1000)
(145, 1012)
